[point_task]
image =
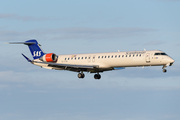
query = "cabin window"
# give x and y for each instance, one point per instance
(157, 54)
(115, 56)
(140, 55)
(119, 56)
(82, 58)
(108, 56)
(75, 58)
(89, 57)
(71, 58)
(112, 56)
(93, 57)
(85, 57)
(104, 56)
(122, 55)
(163, 54)
(137, 55)
(126, 55)
(68, 58)
(129, 55)
(160, 54)
(133, 55)
(65, 58)
(98, 56)
(78, 57)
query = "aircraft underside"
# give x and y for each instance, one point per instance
(97, 70)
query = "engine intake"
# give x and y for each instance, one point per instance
(50, 57)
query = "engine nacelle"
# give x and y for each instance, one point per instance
(49, 57)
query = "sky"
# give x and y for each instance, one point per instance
(28, 92)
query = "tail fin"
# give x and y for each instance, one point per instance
(33, 45)
(36, 51)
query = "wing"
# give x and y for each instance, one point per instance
(76, 68)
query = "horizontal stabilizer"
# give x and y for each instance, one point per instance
(26, 43)
(27, 58)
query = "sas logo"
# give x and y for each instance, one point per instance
(73, 56)
(37, 53)
(155, 58)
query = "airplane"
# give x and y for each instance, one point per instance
(96, 62)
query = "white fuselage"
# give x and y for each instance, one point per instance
(95, 62)
(116, 59)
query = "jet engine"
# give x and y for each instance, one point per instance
(49, 57)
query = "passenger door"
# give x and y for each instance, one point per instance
(148, 58)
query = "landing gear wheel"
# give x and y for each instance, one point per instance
(164, 70)
(81, 75)
(97, 76)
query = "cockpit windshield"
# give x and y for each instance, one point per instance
(160, 54)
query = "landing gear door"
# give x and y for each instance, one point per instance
(148, 58)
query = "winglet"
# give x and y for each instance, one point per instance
(27, 58)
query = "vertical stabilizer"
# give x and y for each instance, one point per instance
(36, 51)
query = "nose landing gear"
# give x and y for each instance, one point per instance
(164, 70)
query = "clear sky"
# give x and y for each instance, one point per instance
(28, 92)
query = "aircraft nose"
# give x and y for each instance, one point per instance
(171, 62)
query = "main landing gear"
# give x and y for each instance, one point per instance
(81, 75)
(96, 76)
